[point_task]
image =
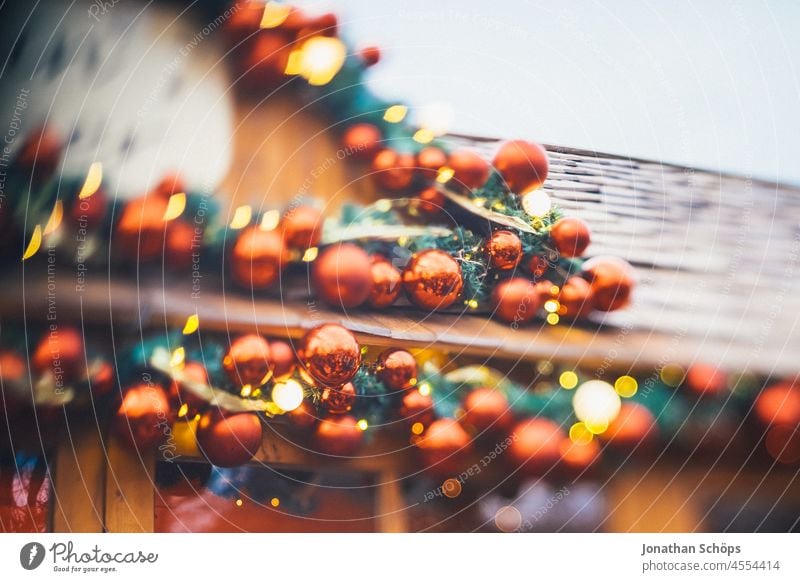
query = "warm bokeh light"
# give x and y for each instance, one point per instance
(55, 218)
(34, 244)
(451, 488)
(536, 203)
(362, 424)
(579, 434)
(508, 518)
(94, 177)
(672, 375)
(270, 220)
(626, 386)
(596, 404)
(178, 357)
(287, 395)
(321, 58)
(192, 324)
(395, 114)
(175, 206)
(568, 380)
(274, 14)
(241, 217)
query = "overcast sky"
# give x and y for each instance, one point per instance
(710, 83)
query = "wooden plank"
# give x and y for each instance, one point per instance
(130, 489)
(79, 480)
(391, 504)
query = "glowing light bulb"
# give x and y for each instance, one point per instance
(241, 217)
(175, 206)
(287, 395)
(94, 178)
(536, 203)
(362, 424)
(568, 380)
(395, 113)
(321, 58)
(270, 220)
(192, 324)
(596, 403)
(626, 386)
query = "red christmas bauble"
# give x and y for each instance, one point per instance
(487, 409)
(371, 55)
(516, 300)
(706, 379)
(229, 439)
(144, 417)
(283, 358)
(179, 394)
(171, 183)
(505, 250)
(139, 234)
(612, 280)
(248, 361)
(103, 380)
(303, 417)
(342, 275)
(429, 160)
(331, 354)
(266, 55)
(417, 407)
(397, 369)
(338, 436)
(430, 201)
(257, 258)
(244, 21)
(535, 445)
(779, 404)
(61, 353)
(362, 141)
(386, 284)
(338, 400)
(432, 279)
(575, 297)
(633, 425)
(301, 227)
(470, 169)
(181, 243)
(41, 151)
(443, 446)
(522, 164)
(537, 267)
(571, 236)
(393, 170)
(579, 456)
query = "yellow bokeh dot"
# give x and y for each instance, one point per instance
(596, 427)
(552, 318)
(580, 434)
(417, 428)
(672, 375)
(363, 424)
(275, 502)
(568, 380)
(626, 386)
(239, 503)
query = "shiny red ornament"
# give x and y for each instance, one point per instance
(303, 417)
(338, 400)
(60, 352)
(342, 275)
(575, 298)
(397, 369)
(331, 354)
(537, 267)
(579, 456)
(103, 380)
(144, 416)
(265, 57)
(361, 141)
(633, 425)
(612, 280)
(430, 201)
(229, 439)
(487, 409)
(257, 258)
(571, 236)
(443, 446)
(283, 359)
(386, 284)
(470, 169)
(429, 160)
(181, 244)
(371, 55)
(139, 233)
(301, 227)
(535, 446)
(505, 250)
(417, 407)
(338, 436)
(779, 404)
(41, 151)
(522, 164)
(248, 361)
(393, 170)
(706, 379)
(179, 394)
(432, 279)
(244, 21)
(516, 300)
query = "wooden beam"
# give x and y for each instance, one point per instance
(130, 489)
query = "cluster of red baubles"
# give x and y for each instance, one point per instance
(261, 50)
